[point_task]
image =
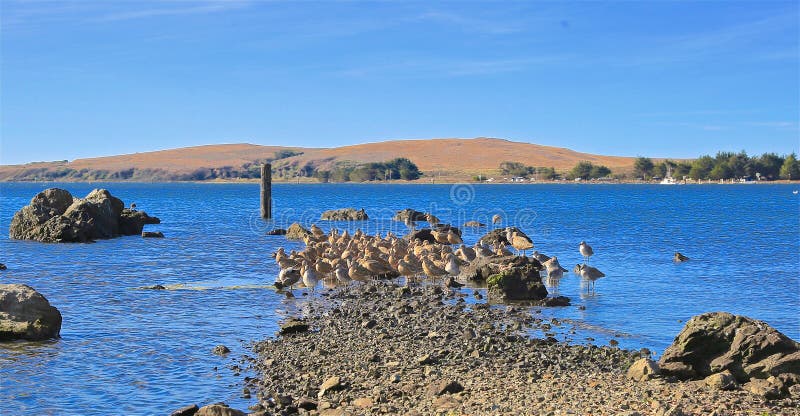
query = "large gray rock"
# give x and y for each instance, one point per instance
(54, 216)
(519, 281)
(26, 314)
(718, 341)
(345, 214)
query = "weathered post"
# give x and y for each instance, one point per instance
(266, 191)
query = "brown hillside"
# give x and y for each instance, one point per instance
(454, 158)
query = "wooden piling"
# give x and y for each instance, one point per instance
(266, 191)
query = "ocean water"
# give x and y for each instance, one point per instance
(125, 350)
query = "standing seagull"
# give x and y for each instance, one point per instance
(586, 251)
(589, 274)
(310, 277)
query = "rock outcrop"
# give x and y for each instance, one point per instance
(345, 214)
(297, 232)
(54, 216)
(26, 314)
(409, 213)
(719, 342)
(499, 235)
(520, 280)
(424, 234)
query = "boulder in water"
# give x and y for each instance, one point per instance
(720, 342)
(345, 214)
(26, 314)
(297, 232)
(54, 216)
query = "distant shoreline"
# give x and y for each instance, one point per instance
(421, 182)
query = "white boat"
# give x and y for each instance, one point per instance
(668, 179)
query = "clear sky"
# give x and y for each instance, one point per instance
(660, 79)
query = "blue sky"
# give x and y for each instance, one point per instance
(660, 79)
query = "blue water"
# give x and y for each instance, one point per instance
(134, 351)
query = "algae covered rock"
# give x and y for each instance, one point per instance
(520, 280)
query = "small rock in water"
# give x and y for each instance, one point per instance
(189, 410)
(2, 266)
(152, 234)
(678, 257)
(221, 350)
(277, 231)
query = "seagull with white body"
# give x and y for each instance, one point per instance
(586, 251)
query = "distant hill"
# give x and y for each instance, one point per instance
(448, 159)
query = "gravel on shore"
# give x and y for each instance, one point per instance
(385, 349)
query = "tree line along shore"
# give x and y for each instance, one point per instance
(724, 167)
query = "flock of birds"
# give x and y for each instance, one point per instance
(343, 258)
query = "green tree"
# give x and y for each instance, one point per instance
(546, 173)
(721, 171)
(599, 171)
(660, 170)
(701, 167)
(643, 167)
(791, 167)
(681, 169)
(582, 170)
(769, 166)
(515, 169)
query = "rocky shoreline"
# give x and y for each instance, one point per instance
(386, 349)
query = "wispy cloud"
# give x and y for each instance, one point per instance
(206, 7)
(692, 113)
(38, 13)
(734, 125)
(745, 41)
(453, 67)
(483, 25)
(780, 125)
